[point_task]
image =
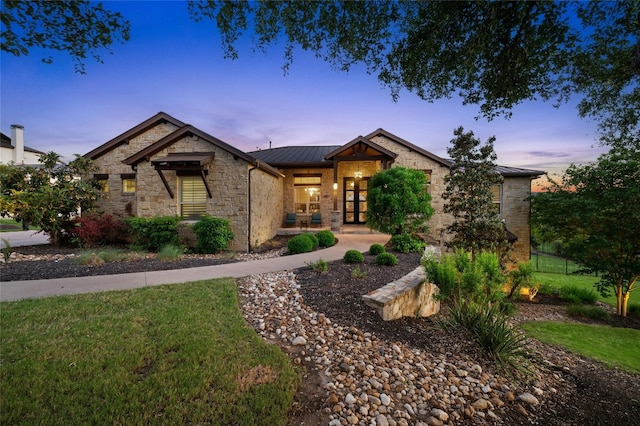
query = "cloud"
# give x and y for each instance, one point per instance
(549, 154)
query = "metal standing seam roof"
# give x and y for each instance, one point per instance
(295, 155)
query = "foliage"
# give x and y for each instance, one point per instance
(6, 250)
(214, 234)
(185, 350)
(79, 27)
(300, 244)
(519, 278)
(169, 253)
(468, 196)
(398, 202)
(634, 309)
(153, 233)
(320, 266)
(376, 248)
(386, 259)
(492, 54)
(464, 279)
(574, 294)
(590, 312)
(49, 196)
(594, 213)
(93, 229)
(315, 243)
(353, 256)
(105, 255)
(491, 330)
(326, 238)
(407, 243)
(359, 273)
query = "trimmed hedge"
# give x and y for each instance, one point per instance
(214, 234)
(376, 249)
(300, 244)
(353, 256)
(153, 233)
(386, 259)
(313, 238)
(326, 238)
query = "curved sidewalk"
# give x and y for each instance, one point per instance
(16, 290)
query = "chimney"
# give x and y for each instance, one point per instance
(17, 141)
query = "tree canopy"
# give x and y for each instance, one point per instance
(594, 212)
(49, 196)
(78, 27)
(398, 202)
(468, 196)
(493, 54)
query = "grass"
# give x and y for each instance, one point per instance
(614, 347)
(169, 253)
(557, 281)
(15, 226)
(553, 264)
(177, 354)
(104, 255)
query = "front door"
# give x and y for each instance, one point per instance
(355, 200)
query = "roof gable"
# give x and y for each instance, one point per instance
(409, 145)
(149, 123)
(360, 148)
(188, 130)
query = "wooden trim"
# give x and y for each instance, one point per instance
(166, 184)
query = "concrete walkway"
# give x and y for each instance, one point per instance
(23, 238)
(15, 290)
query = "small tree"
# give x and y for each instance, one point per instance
(398, 202)
(469, 198)
(594, 211)
(49, 196)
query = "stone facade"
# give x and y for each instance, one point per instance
(266, 206)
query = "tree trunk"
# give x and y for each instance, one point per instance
(619, 302)
(625, 301)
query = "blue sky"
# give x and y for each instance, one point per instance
(176, 65)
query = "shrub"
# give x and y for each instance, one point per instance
(155, 232)
(6, 250)
(386, 259)
(93, 230)
(169, 252)
(320, 266)
(313, 239)
(96, 258)
(376, 249)
(491, 330)
(591, 312)
(326, 238)
(633, 309)
(358, 273)
(353, 256)
(576, 295)
(406, 243)
(300, 244)
(213, 234)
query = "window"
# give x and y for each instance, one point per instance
(193, 197)
(497, 197)
(128, 183)
(307, 193)
(427, 175)
(103, 181)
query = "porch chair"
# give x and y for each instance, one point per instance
(316, 219)
(290, 220)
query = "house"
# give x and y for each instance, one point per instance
(163, 166)
(13, 150)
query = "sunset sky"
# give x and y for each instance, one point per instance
(176, 65)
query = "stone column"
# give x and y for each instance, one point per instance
(335, 220)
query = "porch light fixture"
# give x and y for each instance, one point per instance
(335, 185)
(357, 175)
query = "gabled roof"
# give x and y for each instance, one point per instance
(408, 145)
(149, 123)
(188, 130)
(360, 146)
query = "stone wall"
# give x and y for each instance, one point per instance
(266, 206)
(516, 213)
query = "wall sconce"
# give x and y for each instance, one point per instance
(357, 175)
(335, 185)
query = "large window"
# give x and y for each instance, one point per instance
(497, 197)
(193, 197)
(307, 193)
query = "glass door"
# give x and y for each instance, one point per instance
(355, 201)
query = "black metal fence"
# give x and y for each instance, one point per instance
(546, 259)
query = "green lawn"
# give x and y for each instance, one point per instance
(583, 281)
(11, 226)
(177, 354)
(614, 347)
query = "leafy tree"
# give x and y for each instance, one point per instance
(49, 196)
(398, 202)
(79, 27)
(468, 196)
(493, 54)
(594, 211)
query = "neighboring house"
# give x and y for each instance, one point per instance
(164, 167)
(13, 150)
